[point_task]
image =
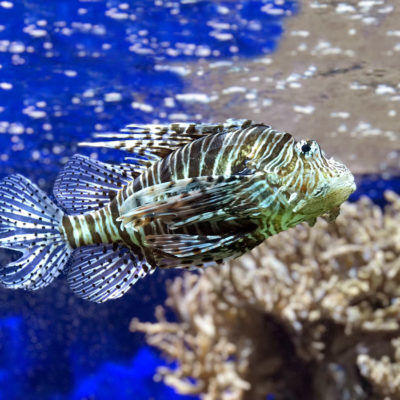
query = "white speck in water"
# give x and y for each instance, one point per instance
(220, 64)
(115, 14)
(88, 93)
(178, 117)
(6, 86)
(251, 96)
(357, 86)
(302, 47)
(265, 60)
(340, 114)
(300, 33)
(112, 97)
(269, 9)
(70, 73)
(234, 89)
(6, 4)
(392, 113)
(138, 49)
(36, 114)
(17, 59)
(16, 47)
(203, 51)
(369, 20)
(32, 30)
(343, 8)
(169, 102)
(312, 69)
(293, 77)
(385, 89)
(304, 109)
(386, 10)
(16, 128)
(177, 69)
(295, 85)
(266, 102)
(195, 98)
(57, 149)
(222, 10)
(393, 33)
(142, 106)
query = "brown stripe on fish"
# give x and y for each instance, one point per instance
(96, 238)
(68, 231)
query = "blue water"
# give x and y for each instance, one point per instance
(69, 68)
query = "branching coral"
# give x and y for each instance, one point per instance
(309, 314)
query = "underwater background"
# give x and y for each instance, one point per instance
(70, 68)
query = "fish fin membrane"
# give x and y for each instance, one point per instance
(193, 200)
(103, 272)
(156, 141)
(30, 223)
(87, 185)
(183, 246)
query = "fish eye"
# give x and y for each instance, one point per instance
(307, 148)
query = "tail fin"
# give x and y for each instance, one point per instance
(30, 223)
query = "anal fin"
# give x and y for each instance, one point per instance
(102, 272)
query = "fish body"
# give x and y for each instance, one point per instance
(190, 196)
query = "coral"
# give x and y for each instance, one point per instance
(309, 314)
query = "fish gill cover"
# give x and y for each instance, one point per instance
(69, 68)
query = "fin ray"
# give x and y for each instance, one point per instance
(86, 185)
(29, 223)
(181, 245)
(103, 272)
(155, 141)
(191, 200)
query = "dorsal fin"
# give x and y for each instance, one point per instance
(157, 141)
(86, 184)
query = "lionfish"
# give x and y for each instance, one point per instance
(191, 195)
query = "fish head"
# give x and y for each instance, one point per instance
(322, 184)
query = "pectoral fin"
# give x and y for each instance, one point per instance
(191, 200)
(183, 246)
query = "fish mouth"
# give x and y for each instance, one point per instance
(326, 200)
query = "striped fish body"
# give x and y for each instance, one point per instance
(218, 155)
(201, 194)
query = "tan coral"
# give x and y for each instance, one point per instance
(383, 374)
(301, 315)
